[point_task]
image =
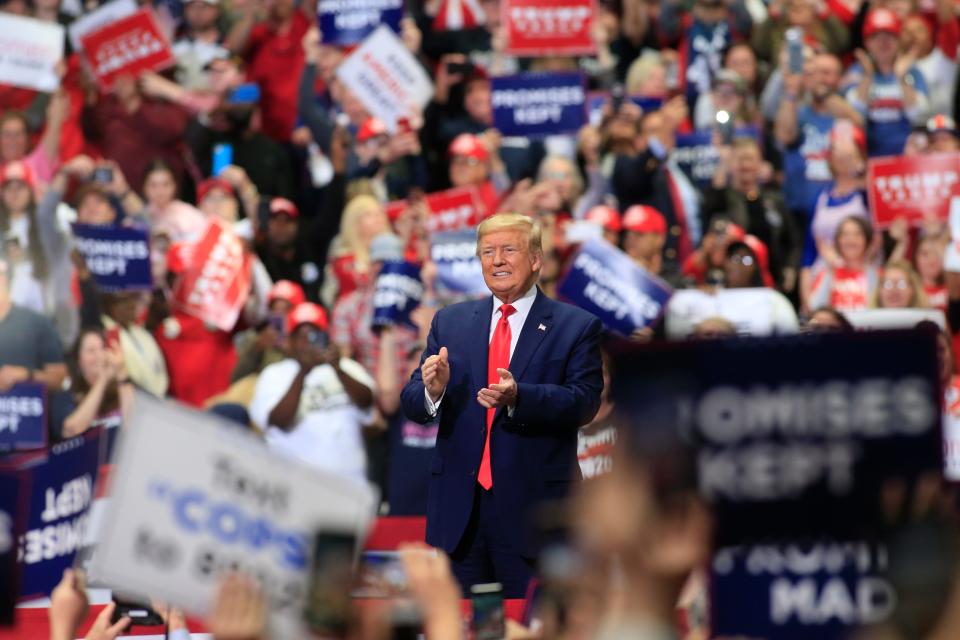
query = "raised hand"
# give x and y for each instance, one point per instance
(436, 373)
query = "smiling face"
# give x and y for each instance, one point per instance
(851, 241)
(91, 356)
(896, 289)
(509, 267)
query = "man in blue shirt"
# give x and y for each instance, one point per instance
(886, 87)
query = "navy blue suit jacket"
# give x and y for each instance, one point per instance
(557, 366)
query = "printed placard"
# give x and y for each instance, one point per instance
(913, 187)
(118, 257)
(538, 104)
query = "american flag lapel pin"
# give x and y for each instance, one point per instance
(542, 327)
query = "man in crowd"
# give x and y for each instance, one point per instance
(509, 408)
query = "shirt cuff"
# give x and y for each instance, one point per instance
(510, 411)
(179, 634)
(430, 405)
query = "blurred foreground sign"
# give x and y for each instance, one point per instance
(194, 498)
(790, 437)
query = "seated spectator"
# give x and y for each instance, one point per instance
(29, 347)
(848, 284)
(314, 404)
(100, 392)
(900, 287)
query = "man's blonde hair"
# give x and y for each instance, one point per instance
(512, 222)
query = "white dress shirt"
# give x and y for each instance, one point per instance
(522, 306)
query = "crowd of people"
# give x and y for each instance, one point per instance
(796, 95)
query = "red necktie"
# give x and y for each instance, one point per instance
(498, 358)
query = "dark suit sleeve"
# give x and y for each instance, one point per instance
(573, 403)
(412, 397)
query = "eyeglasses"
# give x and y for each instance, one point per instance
(890, 285)
(468, 161)
(746, 261)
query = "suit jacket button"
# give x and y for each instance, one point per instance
(472, 472)
(670, 254)
(675, 230)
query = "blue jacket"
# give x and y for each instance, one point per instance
(557, 366)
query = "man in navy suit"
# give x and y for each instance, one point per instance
(510, 378)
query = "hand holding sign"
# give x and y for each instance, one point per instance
(436, 373)
(501, 394)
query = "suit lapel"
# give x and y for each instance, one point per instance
(535, 328)
(478, 335)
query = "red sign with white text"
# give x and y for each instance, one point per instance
(216, 282)
(131, 45)
(450, 210)
(916, 187)
(549, 27)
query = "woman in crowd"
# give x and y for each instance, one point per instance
(900, 288)
(164, 211)
(21, 238)
(100, 393)
(928, 261)
(349, 267)
(827, 319)
(850, 282)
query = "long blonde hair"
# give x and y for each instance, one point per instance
(348, 241)
(919, 298)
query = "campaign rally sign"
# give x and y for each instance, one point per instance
(794, 436)
(454, 253)
(23, 417)
(538, 104)
(118, 257)
(596, 100)
(793, 591)
(11, 510)
(128, 46)
(194, 498)
(216, 283)
(386, 78)
(549, 27)
(29, 52)
(347, 22)
(697, 156)
(61, 489)
(912, 187)
(397, 292)
(97, 19)
(608, 284)
(450, 210)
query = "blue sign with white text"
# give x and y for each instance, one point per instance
(23, 417)
(458, 267)
(607, 283)
(397, 293)
(61, 491)
(535, 105)
(347, 22)
(118, 257)
(698, 158)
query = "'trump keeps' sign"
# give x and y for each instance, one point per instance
(605, 282)
(23, 417)
(61, 489)
(386, 78)
(29, 52)
(549, 27)
(538, 104)
(118, 257)
(347, 22)
(215, 286)
(913, 187)
(131, 45)
(450, 210)
(397, 293)
(194, 499)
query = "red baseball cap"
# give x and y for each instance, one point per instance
(283, 206)
(17, 170)
(759, 249)
(469, 145)
(210, 184)
(881, 21)
(641, 218)
(371, 128)
(307, 313)
(286, 290)
(606, 217)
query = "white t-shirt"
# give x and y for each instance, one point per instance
(328, 427)
(753, 311)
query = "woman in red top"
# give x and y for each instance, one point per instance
(851, 285)
(363, 219)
